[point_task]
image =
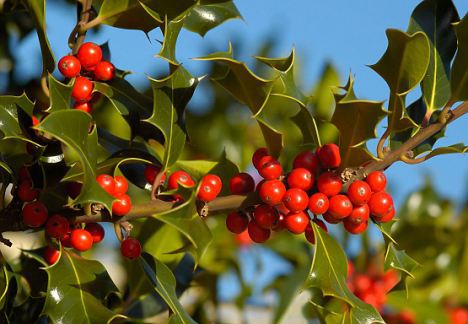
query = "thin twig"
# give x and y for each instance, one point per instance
(84, 18)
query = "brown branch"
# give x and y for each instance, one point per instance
(81, 32)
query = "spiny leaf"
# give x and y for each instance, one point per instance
(171, 32)
(456, 148)
(400, 261)
(459, 76)
(9, 105)
(60, 94)
(434, 18)
(322, 94)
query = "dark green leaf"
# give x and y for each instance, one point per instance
(399, 260)
(456, 148)
(459, 76)
(60, 95)
(9, 105)
(171, 32)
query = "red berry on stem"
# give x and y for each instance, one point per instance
(151, 172)
(34, 214)
(82, 89)
(340, 206)
(301, 178)
(265, 216)
(329, 184)
(307, 160)
(83, 106)
(269, 168)
(387, 217)
(81, 239)
(236, 222)
(359, 192)
(96, 231)
(318, 203)
(295, 199)
(107, 183)
(329, 218)
(380, 204)
(57, 226)
(257, 233)
(122, 206)
(121, 185)
(377, 181)
(104, 71)
(354, 228)
(130, 248)
(69, 66)
(272, 191)
(206, 193)
(296, 222)
(51, 255)
(329, 156)
(359, 214)
(214, 181)
(258, 154)
(241, 184)
(26, 192)
(181, 177)
(89, 55)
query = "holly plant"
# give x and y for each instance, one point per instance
(85, 155)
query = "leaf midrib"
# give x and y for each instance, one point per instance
(79, 284)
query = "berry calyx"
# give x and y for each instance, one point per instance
(121, 185)
(122, 206)
(107, 183)
(34, 214)
(295, 199)
(377, 181)
(380, 204)
(81, 240)
(296, 222)
(301, 178)
(51, 255)
(130, 248)
(69, 66)
(181, 177)
(82, 89)
(271, 192)
(265, 216)
(26, 192)
(236, 222)
(89, 55)
(307, 160)
(318, 203)
(83, 106)
(57, 226)
(258, 154)
(329, 184)
(329, 156)
(104, 71)
(359, 192)
(96, 230)
(340, 206)
(269, 168)
(257, 233)
(241, 184)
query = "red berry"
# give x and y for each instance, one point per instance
(83, 106)
(309, 232)
(214, 181)
(269, 168)
(279, 225)
(206, 193)
(295, 199)
(259, 185)
(362, 283)
(89, 55)
(96, 231)
(151, 172)
(387, 217)
(104, 71)
(257, 233)
(243, 239)
(181, 177)
(301, 178)
(329, 218)
(340, 206)
(377, 181)
(57, 226)
(121, 185)
(329, 156)
(241, 184)
(459, 315)
(359, 192)
(236, 222)
(82, 89)
(35, 121)
(258, 154)
(81, 239)
(265, 216)
(380, 204)
(329, 184)
(354, 228)
(26, 192)
(51, 255)
(296, 222)
(359, 215)
(122, 206)
(307, 160)
(74, 189)
(66, 240)
(272, 191)
(107, 183)
(34, 214)
(69, 66)
(130, 248)
(318, 203)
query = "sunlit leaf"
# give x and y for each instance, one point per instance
(60, 94)
(459, 76)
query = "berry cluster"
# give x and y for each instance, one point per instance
(117, 187)
(312, 185)
(86, 65)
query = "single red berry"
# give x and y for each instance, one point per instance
(69, 66)
(380, 204)
(330, 219)
(181, 177)
(318, 203)
(34, 214)
(104, 71)
(377, 181)
(26, 192)
(307, 160)
(258, 154)
(241, 184)
(359, 192)
(296, 222)
(151, 172)
(214, 181)
(354, 228)
(122, 206)
(387, 217)
(272, 191)
(459, 315)
(83, 106)
(359, 214)
(340, 206)
(51, 255)
(329, 184)
(301, 178)
(236, 222)
(265, 216)
(90, 55)
(279, 225)
(81, 240)
(130, 248)
(243, 239)
(82, 89)
(295, 199)
(121, 185)
(206, 193)
(96, 231)
(57, 226)
(257, 233)
(329, 156)
(74, 189)
(107, 183)
(269, 168)
(309, 232)
(66, 240)
(362, 283)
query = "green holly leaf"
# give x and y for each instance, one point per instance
(71, 128)
(210, 14)
(60, 94)
(400, 261)
(164, 284)
(9, 123)
(456, 148)
(328, 273)
(435, 18)
(171, 32)
(76, 289)
(459, 76)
